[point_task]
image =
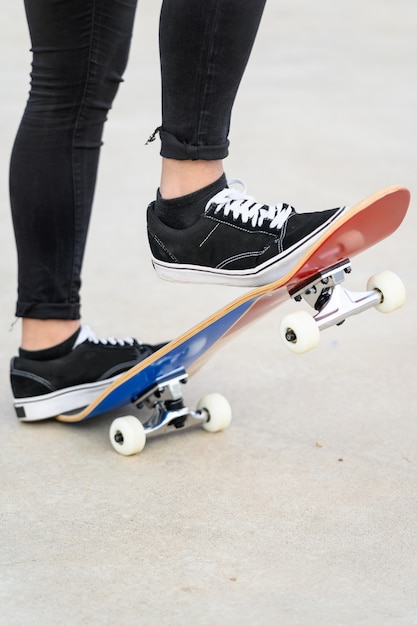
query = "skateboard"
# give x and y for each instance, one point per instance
(154, 386)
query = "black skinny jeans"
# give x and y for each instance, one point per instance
(80, 50)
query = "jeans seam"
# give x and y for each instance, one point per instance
(75, 161)
(208, 82)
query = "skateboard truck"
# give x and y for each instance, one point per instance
(165, 403)
(334, 303)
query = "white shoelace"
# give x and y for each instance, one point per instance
(86, 334)
(245, 207)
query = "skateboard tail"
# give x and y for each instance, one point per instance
(366, 224)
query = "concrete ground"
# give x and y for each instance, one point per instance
(304, 512)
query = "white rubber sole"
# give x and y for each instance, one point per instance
(37, 408)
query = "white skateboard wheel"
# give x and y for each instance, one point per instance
(127, 435)
(391, 288)
(300, 332)
(217, 410)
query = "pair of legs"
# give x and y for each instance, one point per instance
(199, 229)
(80, 50)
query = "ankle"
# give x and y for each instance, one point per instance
(43, 334)
(180, 178)
(184, 211)
(56, 351)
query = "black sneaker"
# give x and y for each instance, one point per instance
(236, 241)
(44, 389)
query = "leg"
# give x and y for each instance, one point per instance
(205, 47)
(199, 230)
(80, 50)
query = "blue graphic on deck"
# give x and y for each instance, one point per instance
(175, 361)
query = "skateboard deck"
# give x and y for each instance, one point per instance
(359, 228)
